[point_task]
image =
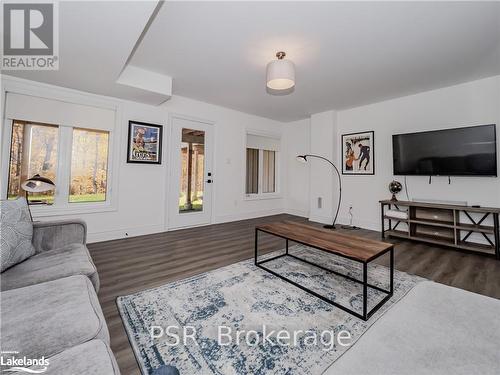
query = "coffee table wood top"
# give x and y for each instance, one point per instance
(357, 248)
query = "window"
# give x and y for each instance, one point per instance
(33, 150)
(261, 165)
(192, 171)
(39, 149)
(252, 171)
(268, 173)
(89, 166)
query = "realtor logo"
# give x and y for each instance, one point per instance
(30, 36)
(11, 362)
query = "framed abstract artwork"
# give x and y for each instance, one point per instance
(144, 143)
(358, 153)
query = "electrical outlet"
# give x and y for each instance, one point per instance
(320, 202)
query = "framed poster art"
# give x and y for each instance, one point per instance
(358, 153)
(144, 143)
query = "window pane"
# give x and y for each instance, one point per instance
(268, 178)
(89, 166)
(33, 151)
(252, 185)
(192, 170)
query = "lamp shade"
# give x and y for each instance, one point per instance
(301, 158)
(38, 184)
(280, 73)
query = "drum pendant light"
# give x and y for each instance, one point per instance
(280, 73)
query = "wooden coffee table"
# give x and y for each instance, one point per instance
(358, 249)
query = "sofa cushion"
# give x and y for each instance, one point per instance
(53, 234)
(16, 232)
(93, 357)
(434, 329)
(45, 319)
(50, 265)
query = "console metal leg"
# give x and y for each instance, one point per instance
(256, 241)
(497, 235)
(365, 290)
(287, 246)
(382, 219)
(391, 267)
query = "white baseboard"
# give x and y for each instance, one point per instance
(321, 219)
(296, 212)
(124, 233)
(247, 215)
(365, 224)
(141, 231)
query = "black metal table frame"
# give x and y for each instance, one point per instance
(366, 314)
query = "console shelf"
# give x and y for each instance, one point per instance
(440, 224)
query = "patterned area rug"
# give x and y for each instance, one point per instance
(242, 297)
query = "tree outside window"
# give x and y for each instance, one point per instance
(35, 150)
(89, 165)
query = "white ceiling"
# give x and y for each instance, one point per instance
(346, 53)
(95, 41)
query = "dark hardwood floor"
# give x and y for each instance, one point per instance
(134, 264)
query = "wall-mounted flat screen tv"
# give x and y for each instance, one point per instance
(469, 151)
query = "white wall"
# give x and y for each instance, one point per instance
(297, 136)
(472, 103)
(230, 158)
(322, 181)
(142, 189)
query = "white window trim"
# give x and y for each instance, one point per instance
(277, 194)
(62, 206)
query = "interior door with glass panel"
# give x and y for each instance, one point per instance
(191, 173)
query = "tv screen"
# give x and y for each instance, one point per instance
(469, 151)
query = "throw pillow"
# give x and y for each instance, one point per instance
(16, 232)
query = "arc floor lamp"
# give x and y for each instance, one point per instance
(36, 184)
(303, 159)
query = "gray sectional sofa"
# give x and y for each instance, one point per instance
(60, 251)
(434, 329)
(49, 306)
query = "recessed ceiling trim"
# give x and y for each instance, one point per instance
(147, 80)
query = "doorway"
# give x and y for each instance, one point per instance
(191, 178)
